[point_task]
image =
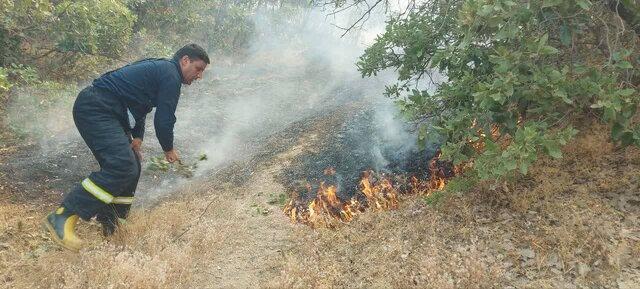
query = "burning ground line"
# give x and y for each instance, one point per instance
(377, 191)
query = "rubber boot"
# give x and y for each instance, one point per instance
(61, 226)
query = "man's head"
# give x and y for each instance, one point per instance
(193, 60)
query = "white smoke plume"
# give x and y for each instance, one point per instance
(294, 68)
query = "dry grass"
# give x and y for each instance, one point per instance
(567, 224)
(558, 227)
(146, 255)
(402, 249)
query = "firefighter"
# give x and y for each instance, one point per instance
(110, 116)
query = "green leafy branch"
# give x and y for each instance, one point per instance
(159, 163)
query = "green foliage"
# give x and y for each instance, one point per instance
(434, 198)
(496, 162)
(459, 184)
(64, 39)
(93, 27)
(186, 170)
(163, 26)
(16, 74)
(23, 22)
(78, 39)
(233, 29)
(277, 199)
(22, 74)
(517, 74)
(158, 163)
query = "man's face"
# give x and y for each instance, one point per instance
(191, 69)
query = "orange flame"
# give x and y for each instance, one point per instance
(383, 195)
(376, 190)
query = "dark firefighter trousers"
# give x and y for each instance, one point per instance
(102, 120)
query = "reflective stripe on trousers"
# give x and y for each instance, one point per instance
(103, 195)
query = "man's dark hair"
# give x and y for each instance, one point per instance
(194, 51)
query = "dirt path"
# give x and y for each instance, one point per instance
(261, 235)
(258, 237)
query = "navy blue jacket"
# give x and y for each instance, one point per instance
(143, 85)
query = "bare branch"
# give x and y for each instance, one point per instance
(342, 9)
(364, 17)
(51, 50)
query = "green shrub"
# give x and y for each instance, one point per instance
(93, 27)
(518, 74)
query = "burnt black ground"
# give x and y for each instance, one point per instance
(29, 175)
(350, 148)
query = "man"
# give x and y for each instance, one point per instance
(110, 116)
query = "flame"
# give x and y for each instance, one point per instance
(437, 175)
(376, 191)
(494, 134)
(383, 195)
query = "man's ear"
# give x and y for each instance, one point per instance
(185, 59)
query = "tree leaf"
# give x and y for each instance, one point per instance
(624, 64)
(548, 49)
(616, 131)
(485, 11)
(560, 93)
(565, 35)
(553, 149)
(626, 92)
(510, 165)
(584, 4)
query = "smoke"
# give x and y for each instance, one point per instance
(41, 113)
(395, 137)
(297, 67)
(293, 70)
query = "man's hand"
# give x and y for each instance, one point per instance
(171, 155)
(136, 146)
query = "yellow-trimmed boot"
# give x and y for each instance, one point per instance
(61, 225)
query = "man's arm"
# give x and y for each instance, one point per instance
(138, 129)
(164, 120)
